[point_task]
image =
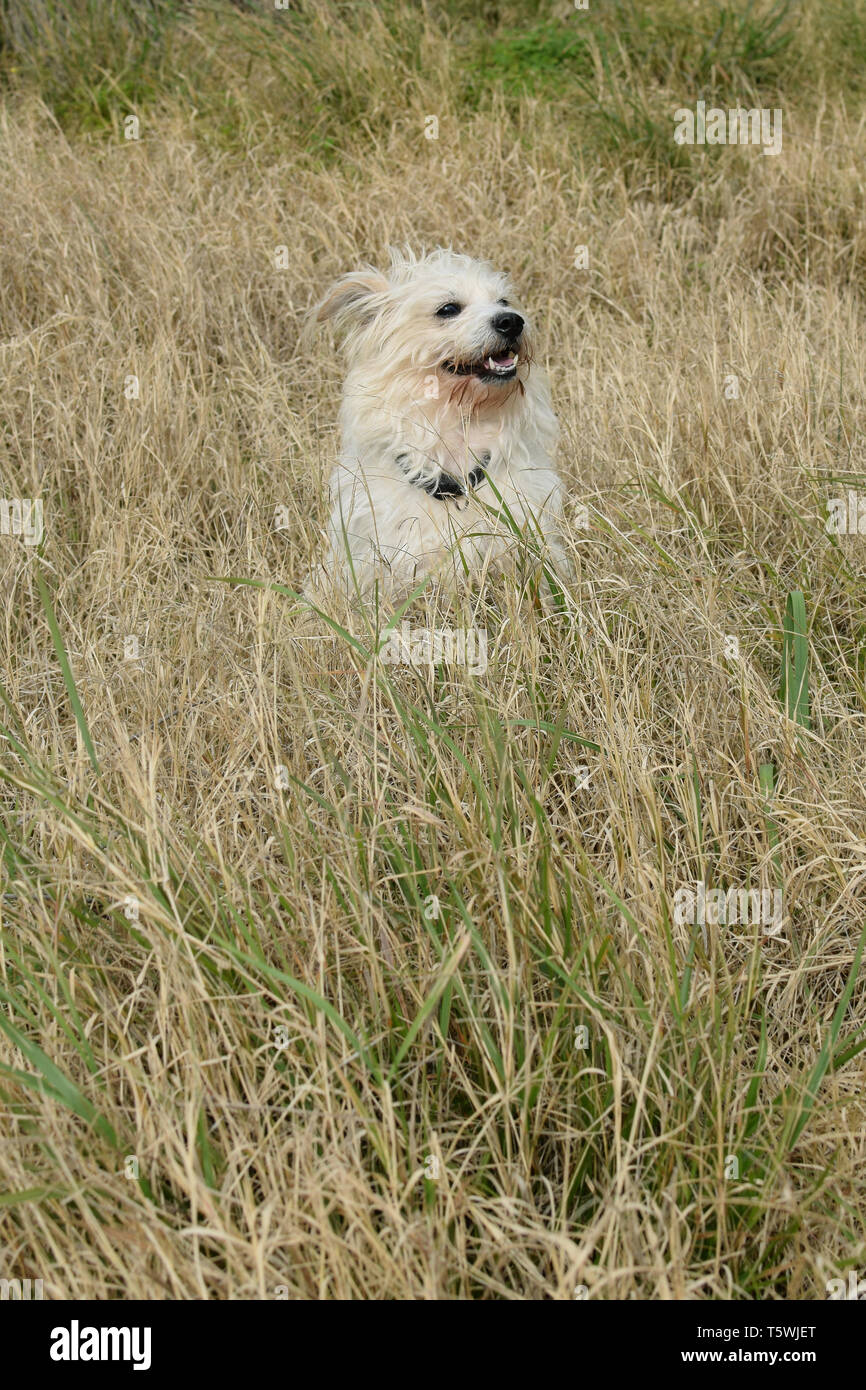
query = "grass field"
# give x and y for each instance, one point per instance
(326, 978)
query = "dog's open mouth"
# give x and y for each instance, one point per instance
(499, 366)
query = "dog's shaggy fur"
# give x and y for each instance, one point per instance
(447, 427)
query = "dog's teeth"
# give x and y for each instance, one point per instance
(501, 368)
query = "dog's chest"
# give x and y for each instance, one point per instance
(464, 447)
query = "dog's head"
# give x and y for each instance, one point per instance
(443, 318)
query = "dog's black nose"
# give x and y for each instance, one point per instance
(509, 325)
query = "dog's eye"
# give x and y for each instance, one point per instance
(502, 301)
(449, 311)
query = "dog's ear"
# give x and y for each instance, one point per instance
(354, 299)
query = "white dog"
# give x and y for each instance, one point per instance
(447, 427)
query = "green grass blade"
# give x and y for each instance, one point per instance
(53, 1082)
(68, 678)
(794, 681)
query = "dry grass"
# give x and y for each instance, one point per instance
(220, 953)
